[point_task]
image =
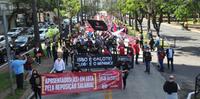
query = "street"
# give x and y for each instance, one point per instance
(187, 54)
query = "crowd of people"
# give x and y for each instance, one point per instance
(90, 42)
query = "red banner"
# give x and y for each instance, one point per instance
(81, 82)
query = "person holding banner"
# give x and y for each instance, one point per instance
(59, 65)
(35, 82)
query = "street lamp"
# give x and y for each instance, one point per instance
(6, 7)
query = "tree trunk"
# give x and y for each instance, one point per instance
(168, 18)
(157, 25)
(35, 22)
(129, 19)
(149, 23)
(136, 24)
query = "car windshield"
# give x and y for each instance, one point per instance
(13, 30)
(1, 39)
(21, 39)
(41, 31)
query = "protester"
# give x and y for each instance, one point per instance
(17, 66)
(28, 66)
(161, 56)
(170, 57)
(54, 51)
(65, 55)
(121, 49)
(136, 51)
(157, 42)
(151, 44)
(48, 47)
(149, 34)
(147, 59)
(35, 82)
(38, 54)
(130, 53)
(141, 40)
(125, 71)
(145, 47)
(106, 51)
(76, 68)
(59, 65)
(171, 88)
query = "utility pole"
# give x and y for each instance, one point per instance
(8, 51)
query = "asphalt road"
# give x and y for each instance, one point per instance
(140, 85)
(186, 60)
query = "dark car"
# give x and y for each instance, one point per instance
(28, 32)
(23, 43)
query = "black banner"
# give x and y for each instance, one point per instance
(101, 61)
(97, 61)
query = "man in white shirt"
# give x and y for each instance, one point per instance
(59, 65)
(170, 57)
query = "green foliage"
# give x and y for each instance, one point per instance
(70, 8)
(182, 12)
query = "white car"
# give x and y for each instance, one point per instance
(3, 41)
(42, 33)
(14, 32)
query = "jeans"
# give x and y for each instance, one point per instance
(161, 65)
(38, 59)
(19, 80)
(136, 58)
(48, 52)
(37, 93)
(147, 63)
(172, 65)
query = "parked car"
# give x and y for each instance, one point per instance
(23, 43)
(28, 32)
(14, 32)
(42, 33)
(3, 41)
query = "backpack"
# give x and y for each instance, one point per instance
(162, 55)
(147, 56)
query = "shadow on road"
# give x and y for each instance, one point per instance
(185, 76)
(194, 51)
(180, 38)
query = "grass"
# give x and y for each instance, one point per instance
(5, 81)
(18, 94)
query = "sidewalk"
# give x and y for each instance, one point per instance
(44, 67)
(140, 85)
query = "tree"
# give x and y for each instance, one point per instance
(157, 14)
(35, 21)
(137, 7)
(69, 9)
